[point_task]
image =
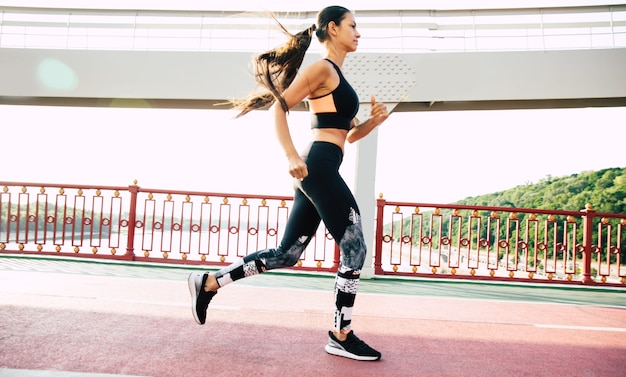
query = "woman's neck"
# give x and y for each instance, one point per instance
(336, 56)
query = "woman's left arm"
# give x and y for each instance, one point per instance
(378, 115)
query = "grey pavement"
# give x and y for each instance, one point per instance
(484, 290)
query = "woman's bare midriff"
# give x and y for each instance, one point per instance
(331, 135)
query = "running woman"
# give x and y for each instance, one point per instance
(320, 192)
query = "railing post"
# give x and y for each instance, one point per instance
(380, 211)
(132, 219)
(587, 243)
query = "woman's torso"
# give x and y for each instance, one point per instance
(332, 112)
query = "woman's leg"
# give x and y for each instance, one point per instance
(342, 341)
(301, 226)
(339, 212)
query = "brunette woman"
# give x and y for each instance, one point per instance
(320, 192)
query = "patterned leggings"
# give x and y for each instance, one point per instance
(322, 196)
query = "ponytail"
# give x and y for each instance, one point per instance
(275, 70)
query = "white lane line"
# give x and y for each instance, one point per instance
(586, 328)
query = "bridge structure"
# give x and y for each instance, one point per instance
(422, 57)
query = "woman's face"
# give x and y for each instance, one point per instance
(347, 36)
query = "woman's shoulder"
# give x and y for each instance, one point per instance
(321, 67)
(320, 78)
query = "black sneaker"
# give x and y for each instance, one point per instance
(352, 347)
(199, 298)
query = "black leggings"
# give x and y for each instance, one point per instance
(321, 196)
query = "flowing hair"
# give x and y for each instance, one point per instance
(275, 70)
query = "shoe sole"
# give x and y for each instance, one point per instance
(193, 289)
(340, 352)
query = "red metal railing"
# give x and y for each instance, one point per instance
(499, 243)
(412, 239)
(148, 224)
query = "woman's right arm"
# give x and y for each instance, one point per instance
(304, 84)
(297, 167)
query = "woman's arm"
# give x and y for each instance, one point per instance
(378, 114)
(307, 82)
(297, 167)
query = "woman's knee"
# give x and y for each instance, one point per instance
(283, 257)
(353, 248)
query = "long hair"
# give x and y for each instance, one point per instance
(275, 70)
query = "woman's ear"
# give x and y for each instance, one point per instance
(332, 28)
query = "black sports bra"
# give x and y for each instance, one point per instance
(337, 108)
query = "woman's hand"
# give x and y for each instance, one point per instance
(298, 168)
(378, 112)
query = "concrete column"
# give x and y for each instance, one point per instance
(364, 192)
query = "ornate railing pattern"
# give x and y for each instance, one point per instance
(411, 239)
(133, 223)
(499, 243)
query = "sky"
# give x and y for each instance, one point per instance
(435, 157)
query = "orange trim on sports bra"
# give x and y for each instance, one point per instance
(337, 108)
(323, 104)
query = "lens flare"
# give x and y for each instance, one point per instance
(56, 75)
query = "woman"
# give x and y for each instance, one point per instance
(320, 192)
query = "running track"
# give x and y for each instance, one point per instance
(67, 318)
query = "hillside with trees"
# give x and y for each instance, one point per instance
(604, 189)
